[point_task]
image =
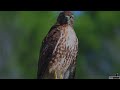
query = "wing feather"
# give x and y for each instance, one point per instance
(48, 45)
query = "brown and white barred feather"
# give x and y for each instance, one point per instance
(59, 53)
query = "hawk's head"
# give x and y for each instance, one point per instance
(66, 17)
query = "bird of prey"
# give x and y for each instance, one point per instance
(59, 50)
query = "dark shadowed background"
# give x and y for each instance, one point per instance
(21, 34)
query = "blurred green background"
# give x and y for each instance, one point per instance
(21, 34)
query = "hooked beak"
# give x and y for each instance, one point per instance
(68, 19)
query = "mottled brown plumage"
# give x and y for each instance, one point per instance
(59, 50)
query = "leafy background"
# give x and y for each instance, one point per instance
(21, 34)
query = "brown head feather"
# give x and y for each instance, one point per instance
(65, 17)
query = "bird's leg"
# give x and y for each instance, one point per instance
(61, 77)
(55, 75)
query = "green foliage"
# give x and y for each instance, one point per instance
(22, 32)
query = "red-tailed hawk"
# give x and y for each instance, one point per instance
(59, 50)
